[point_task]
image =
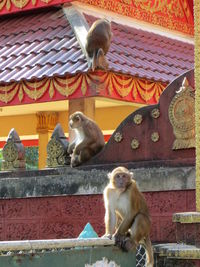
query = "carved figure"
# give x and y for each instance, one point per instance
(127, 217)
(89, 139)
(13, 152)
(98, 43)
(57, 155)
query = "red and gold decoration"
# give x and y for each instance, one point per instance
(182, 116)
(197, 98)
(9, 6)
(105, 84)
(172, 14)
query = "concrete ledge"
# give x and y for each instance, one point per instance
(178, 251)
(53, 244)
(187, 217)
(69, 181)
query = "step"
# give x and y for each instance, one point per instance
(187, 228)
(178, 251)
(176, 255)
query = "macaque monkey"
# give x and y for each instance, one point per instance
(89, 139)
(127, 217)
(98, 43)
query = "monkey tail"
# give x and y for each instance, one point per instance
(149, 252)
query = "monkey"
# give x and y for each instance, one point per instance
(127, 217)
(89, 139)
(98, 42)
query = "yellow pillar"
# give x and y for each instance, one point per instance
(85, 105)
(46, 122)
(197, 97)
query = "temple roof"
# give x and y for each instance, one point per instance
(42, 44)
(38, 44)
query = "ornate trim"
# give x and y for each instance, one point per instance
(135, 143)
(118, 137)
(137, 119)
(197, 98)
(182, 117)
(155, 113)
(155, 137)
(172, 14)
(46, 121)
(9, 6)
(101, 83)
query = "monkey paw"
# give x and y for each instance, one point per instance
(107, 236)
(124, 242)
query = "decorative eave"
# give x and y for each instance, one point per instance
(174, 15)
(99, 83)
(13, 6)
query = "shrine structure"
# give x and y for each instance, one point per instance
(44, 73)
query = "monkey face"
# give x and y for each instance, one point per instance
(75, 120)
(121, 180)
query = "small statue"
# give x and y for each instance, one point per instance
(13, 153)
(57, 155)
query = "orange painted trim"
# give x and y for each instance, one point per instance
(99, 83)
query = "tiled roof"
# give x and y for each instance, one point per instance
(42, 44)
(38, 45)
(147, 55)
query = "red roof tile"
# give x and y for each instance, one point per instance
(42, 44)
(38, 45)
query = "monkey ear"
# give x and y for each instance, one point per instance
(109, 175)
(131, 174)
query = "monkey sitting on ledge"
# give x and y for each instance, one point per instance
(89, 139)
(127, 217)
(98, 43)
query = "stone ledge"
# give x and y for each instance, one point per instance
(68, 181)
(178, 251)
(186, 217)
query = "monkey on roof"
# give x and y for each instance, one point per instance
(127, 217)
(98, 43)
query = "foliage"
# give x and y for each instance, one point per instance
(31, 155)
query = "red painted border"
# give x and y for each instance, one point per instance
(26, 143)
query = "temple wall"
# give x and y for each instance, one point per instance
(58, 203)
(66, 216)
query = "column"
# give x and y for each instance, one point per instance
(46, 122)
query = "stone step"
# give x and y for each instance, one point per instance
(187, 228)
(176, 255)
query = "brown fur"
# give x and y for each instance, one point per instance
(127, 217)
(89, 139)
(98, 43)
